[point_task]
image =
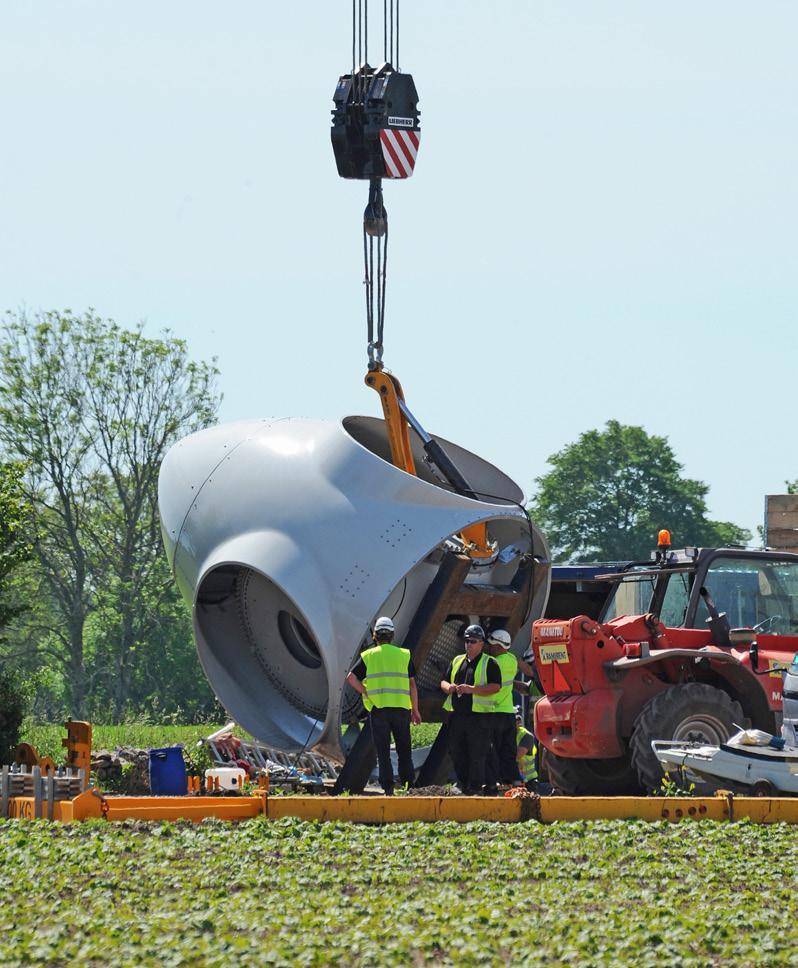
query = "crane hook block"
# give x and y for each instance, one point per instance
(375, 128)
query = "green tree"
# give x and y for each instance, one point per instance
(143, 395)
(12, 712)
(16, 537)
(15, 550)
(91, 409)
(610, 492)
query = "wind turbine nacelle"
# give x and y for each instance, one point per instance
(289, 537)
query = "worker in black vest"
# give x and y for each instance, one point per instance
(385, 678)
(470, 684)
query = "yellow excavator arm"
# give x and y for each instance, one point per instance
(397, 421)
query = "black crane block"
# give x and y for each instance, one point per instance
(375, 128)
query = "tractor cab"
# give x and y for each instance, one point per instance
(756, 590)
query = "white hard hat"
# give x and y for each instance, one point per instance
(384, 624)
(500, 637)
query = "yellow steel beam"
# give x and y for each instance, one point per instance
(632, 808)
(82, 807)
(382, 810)
(86, 805)
(183, 808)
(764, 809)
(379, 810)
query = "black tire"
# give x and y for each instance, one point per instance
(591, 778)
(692, 712)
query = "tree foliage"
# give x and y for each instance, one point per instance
(12, 710)
(90, 409)
(610, 492)
(16, 536)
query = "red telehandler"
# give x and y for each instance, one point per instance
(687, 645)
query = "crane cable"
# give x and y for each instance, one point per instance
(375, 242)
(375, 216)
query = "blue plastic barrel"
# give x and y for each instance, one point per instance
(168, 772)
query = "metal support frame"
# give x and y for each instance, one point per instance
(434, 608)
(437, 767)
(359, 764)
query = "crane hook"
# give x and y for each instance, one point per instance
(375, 218)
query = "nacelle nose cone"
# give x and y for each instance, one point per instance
(290, 536)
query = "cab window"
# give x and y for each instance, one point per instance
(631, 596)
(754, 593)
(674, 604)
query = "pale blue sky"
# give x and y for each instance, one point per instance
(601, 224)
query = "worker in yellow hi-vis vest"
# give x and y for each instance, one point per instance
(502, 766)
(470, 686)
(526, 752)
(385, 678)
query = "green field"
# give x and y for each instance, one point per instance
(294, 893)
(47, 739)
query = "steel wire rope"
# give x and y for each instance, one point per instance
(382, 283)
(368, 257)
(305, 744)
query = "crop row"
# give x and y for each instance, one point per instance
(295, 893)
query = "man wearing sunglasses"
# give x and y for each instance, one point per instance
(470, 684)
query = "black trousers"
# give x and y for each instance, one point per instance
(469, 742)
(502, 761)
(385, 722)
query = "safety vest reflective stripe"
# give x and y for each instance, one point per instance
(482, 704)
(384, 665)
(503, 700)
(479, 704)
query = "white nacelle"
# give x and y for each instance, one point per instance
(290, 536)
